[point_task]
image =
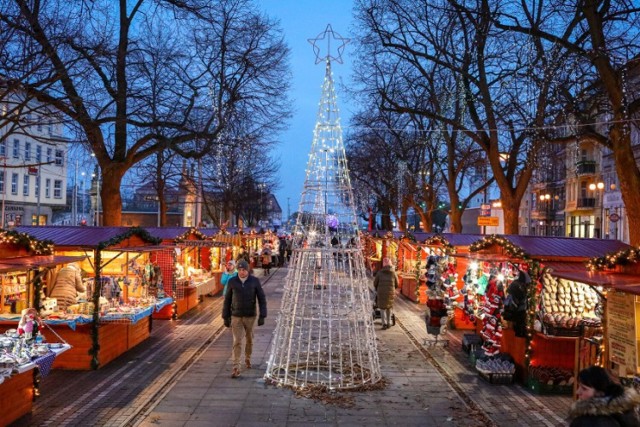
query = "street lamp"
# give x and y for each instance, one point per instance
(599, 186)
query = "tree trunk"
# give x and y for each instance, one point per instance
(510, 210)
(455, 220)
(629, 177)
(111, 206)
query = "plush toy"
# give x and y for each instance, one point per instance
(29, 323)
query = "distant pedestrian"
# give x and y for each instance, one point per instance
(385, 284)
(266, 260)
(603, 402)
(243, 255)
(239, 313)
(230, 271)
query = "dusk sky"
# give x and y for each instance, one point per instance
(302, 20)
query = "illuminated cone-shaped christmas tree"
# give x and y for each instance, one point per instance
(324, 334)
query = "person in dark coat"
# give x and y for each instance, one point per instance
(603, 402)
(385, 284)
(239, 312)
(518, 291)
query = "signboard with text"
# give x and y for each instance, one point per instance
(621, 332)
(488, 221)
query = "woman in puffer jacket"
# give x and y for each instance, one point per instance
(603, 402)
(67, 284)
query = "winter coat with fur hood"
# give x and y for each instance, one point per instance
(621, 411)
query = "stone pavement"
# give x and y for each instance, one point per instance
(181, 377)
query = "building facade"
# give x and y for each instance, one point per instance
(33, 163)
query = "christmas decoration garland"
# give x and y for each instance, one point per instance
(133, 231)
(187, 233)
(439, 240)
(37, 247)
(611, 260)
(407, 235)
(511, 249)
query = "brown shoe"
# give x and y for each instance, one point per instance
(235, 373)
(248, 364)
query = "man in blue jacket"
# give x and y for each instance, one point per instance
(239, 312)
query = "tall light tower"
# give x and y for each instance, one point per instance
(324, 334)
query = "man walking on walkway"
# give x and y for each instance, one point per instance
(239, 312)
(385, 284)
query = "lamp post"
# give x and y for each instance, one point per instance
(544, 203)
(598, 188)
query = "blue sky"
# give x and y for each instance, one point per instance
(302, 20)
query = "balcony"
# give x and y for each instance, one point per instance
(586, 167)
(586, 203)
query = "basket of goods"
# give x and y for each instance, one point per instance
(562, 325)
(550, 380)
(591, 327)
(470, 342)
(496, 370)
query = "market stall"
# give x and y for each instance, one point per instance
(558, 314)
(24, 355)
(380, 244)
(124, 286)
(187, 268)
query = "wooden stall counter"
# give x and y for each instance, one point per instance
(17, 394)
(408, 288)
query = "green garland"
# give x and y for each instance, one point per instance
(535, 273)
(189, 232)
(440, 240)
(511, 249)
(133, 231)
(407, 235)
(37, 247)
(97, 289)
(613, 259)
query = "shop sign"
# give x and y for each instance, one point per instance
(197, 243)
(621, 332)
(614, 217)
(490, 221)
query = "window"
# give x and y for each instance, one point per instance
(50, 126)
(3, 147)
(49, 154)
(38, 186)
(2, 175)
(47, 188)
(57, 189)
(39, 124)
(38, 153)
(16, 148)
(27, 150)
(59, 157)
(25, 185)
(14, 184)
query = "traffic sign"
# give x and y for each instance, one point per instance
(490, 221)
(614, 217)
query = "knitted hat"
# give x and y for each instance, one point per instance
(243, 264)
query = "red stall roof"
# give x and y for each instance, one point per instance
(578, 272)
(77, 236)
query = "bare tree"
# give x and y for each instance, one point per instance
(602, 44)
(504, 90)
(135, 78)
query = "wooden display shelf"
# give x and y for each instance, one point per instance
(188, 301)
(114, 338)
(17, 397)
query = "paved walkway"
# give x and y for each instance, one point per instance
(181, 377)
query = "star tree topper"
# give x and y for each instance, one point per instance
(326, 36)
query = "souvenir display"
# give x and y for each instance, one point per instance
(567, 305)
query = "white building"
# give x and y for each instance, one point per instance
(33, 163)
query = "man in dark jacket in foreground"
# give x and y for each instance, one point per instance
(239, 312)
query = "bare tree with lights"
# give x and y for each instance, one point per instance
(324, 335)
